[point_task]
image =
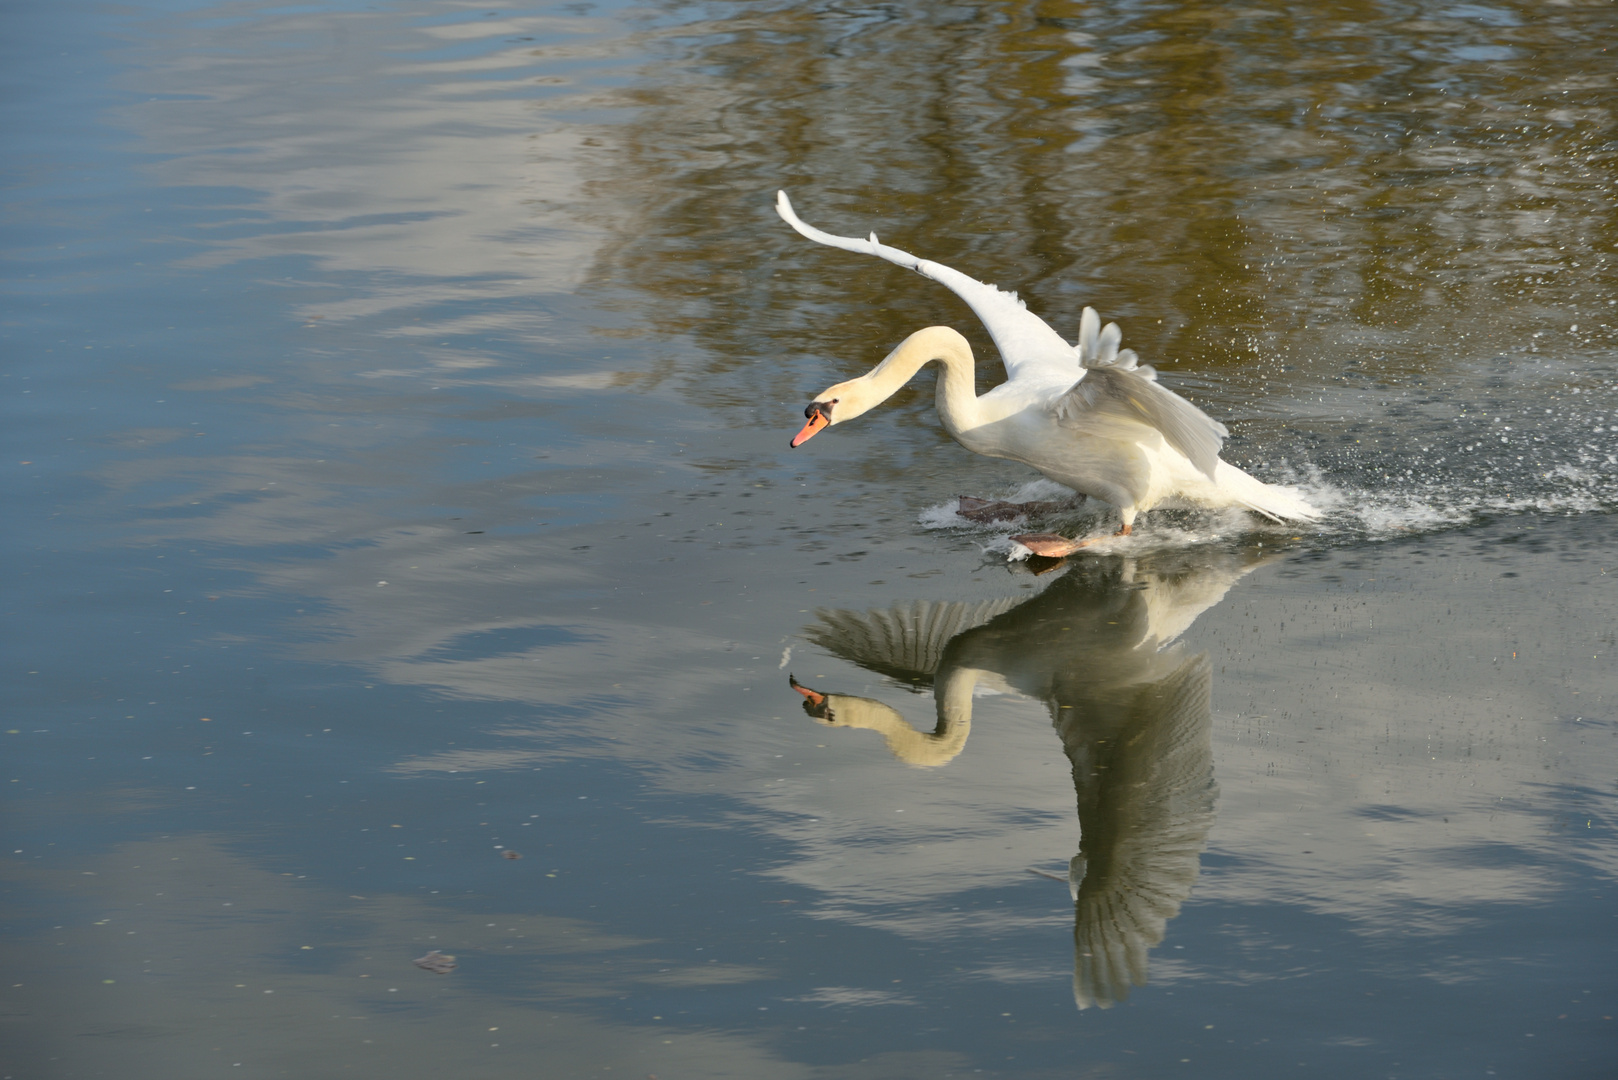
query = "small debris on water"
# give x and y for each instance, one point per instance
(436, 962)
(509, 854)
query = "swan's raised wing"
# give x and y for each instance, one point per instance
(1133, 394)
(1026, 343)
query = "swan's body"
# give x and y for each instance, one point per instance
(1087, 416)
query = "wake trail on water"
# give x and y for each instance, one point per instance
(1353, 509)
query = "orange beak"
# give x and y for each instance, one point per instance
(817, 420)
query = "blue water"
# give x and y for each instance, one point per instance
(396, 401)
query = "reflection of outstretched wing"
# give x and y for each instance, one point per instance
(903, 642)
(1145, 808)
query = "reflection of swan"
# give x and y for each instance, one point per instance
(1089, 417)
(905, 643)
(1131, 709)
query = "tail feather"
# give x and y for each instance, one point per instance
(1275, 503)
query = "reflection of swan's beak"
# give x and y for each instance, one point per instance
(817, 420)
(814, 703)
(814, 698)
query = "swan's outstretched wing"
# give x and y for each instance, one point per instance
(1133, 394)
(1023, 338)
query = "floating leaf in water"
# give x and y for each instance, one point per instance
(509, 854)
(436, 962)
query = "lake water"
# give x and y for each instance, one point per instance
(396, 407)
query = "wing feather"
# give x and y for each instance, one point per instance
(1143, 835)
(1135, 395)
(1023, 338)
(904, 642)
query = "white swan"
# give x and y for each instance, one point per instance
(1089, 417)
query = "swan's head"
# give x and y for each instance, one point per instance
(849, 399)
(842, 402)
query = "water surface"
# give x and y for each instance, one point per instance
(397, 399)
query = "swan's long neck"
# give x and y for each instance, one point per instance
(957, 384)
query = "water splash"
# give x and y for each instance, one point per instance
(1400, 505)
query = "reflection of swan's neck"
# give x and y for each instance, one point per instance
(927, 748)
(940, 746)
(953, 695)
(957, 383)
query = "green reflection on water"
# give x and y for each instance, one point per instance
(1232, 184)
